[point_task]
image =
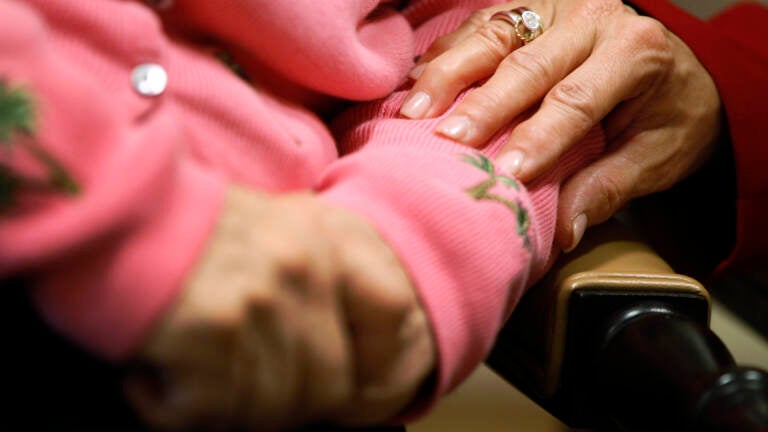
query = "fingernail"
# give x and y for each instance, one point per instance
(458, 128)
(511, 162)
(579, 225)
(416, 106)
(415, 73)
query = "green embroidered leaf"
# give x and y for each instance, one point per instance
(479, 161)
(17, 116)
(509, 182)
(61, 180)
(481, 191)
(229, 61)
(472, 160)
(16, 113)
(523, 221)
(487, 165)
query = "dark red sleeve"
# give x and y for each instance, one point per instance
(733, 46)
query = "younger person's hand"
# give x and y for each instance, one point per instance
(297, 313)
(596, 61)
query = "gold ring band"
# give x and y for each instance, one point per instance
(527, 23)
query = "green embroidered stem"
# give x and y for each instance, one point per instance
(58, 177)
(229, 61)
(523, 222)
(16, 114)
(481, 190)
(17, 120)
(515, 207)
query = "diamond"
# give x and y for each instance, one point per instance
(531, 20)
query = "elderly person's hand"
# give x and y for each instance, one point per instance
(298, 313)
(596, 61)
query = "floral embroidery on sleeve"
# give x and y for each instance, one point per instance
(17, 116)
(481, 191)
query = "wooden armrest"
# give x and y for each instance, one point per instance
(613, 318)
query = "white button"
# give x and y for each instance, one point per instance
(149, 79)
(160, 4)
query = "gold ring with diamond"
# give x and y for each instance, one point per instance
(527, 23)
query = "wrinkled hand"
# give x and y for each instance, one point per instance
(597, 61)
(297, 313)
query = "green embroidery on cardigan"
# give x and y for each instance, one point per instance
(17, 115)
(481, 191)
(229, 61)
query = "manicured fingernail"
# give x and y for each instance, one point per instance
(579, 225)
(417, 105)
(457, 128)
(511, 162)
(415, 73)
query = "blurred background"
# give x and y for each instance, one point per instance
(486, 403)
(705, 8)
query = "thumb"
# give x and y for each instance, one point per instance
(593, 195)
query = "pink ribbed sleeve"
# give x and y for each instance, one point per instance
(471, 238)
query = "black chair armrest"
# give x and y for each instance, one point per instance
(613, 337)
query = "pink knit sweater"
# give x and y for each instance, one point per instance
(152, 168)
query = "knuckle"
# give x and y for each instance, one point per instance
(611, 195)
(598, 16)
(650, 46)
(440, 72)
(597, 8)
(290, 255)
(576, 101)
(286, 275)
(442, 43)
(482, 108)
(259, 306)
(630, 10)
(533, 67)
(498, 37)
(548, 142)
(479, 17)
(295, 273)
(479, 103)
(595, 12)
(647, 33)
